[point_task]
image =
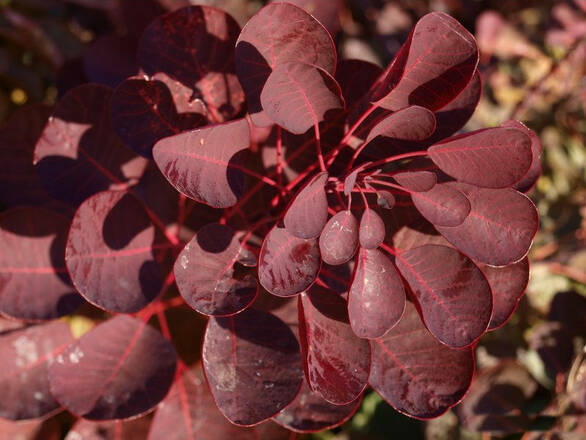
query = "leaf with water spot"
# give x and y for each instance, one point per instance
(339, 238)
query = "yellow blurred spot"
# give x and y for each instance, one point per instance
(18, 96)
(79, 325)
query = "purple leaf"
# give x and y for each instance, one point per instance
(308, 212)
(34, 284)
(120, 369)
(376, 299)
(195, 46)
(418, 181)
(413, 124)
(432, 67)
(206, 275)
(110, 253)
(277, 34)
(372, 229)
(350, 182)
(491, 158)
(26, 353)
(337, 362)
(443, 205)
(356, 77)
(415, 373)
(327, 13)
(299, 96)
(385, 199)
(110, 59)
(252, 364)
(205, 164)
(309, 412)
(287, 265)
(500, 227)
(339, 238)
(530, 179)
(78, 153)
(452, 293)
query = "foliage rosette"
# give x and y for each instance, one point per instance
(322, 214)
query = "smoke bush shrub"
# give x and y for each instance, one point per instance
(319, 211)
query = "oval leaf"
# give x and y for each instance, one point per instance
(287, 265)
(500, 227)
(416, 374)
(337, 362)
(205, 273)
(298, 96)
(413, 123)
(376, 300)
(27, 353)
(350, 182)
(443, 205)
(385, 199)
(418, 181)
(110, 253)
(530, 179)
(491, 158)
(372, 230)
(308, 213)
(339, 238)
(119, 369)
(453, 295)
(205, 164)
(251, 357)
(34, 283)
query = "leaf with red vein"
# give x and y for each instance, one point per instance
(492, 158)
(452, 293)
(34, 283)
(299, 96)
(433, 67)
(308, 212)
(26, 353)
(205, 164)
(339, 238)
(144, 112)
(206, 275)
(413, 124)
(79, 153)
(415, 373)
(356, 77)
(134, 429)
(309, 412)
(372, 230)
(110, 253)
(508, 284)
(279, 33)
(251, 357)
(500, 227)
(443, 205)
(287, 265)
(327, 13)
(119, 369)
(418, 181)
(195, 46)
(376, 299)
(336, 361)
(530, 179)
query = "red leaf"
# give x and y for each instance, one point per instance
(206, 276)
(452, 293)
(195, 46)
(500, 227)
(416, 374)
(372, 230)
(491, 158)
(253, 365)
(119, 369)
(413, 123)
(78, 153)
(34, 283)
(299, 96)
(309, 412)
(350, 182)
(287, 265)
(26, 353)
(110, 253)
(327, 13)
(336, 361)
(443, 205)
(205, 164)
(418, 181)
(308, 213)
(376, 299)
(277, 34)
(530, 179)
(432, 67)
(339, 238)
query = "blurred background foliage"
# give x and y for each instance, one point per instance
(531, 378)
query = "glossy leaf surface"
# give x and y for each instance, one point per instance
(308, 212)
(372, 230)
(376, 299)
(110, 258)
(339, 238)
(206, 275)
(443, 205)
(121, 368)
(205, 164)
(260, 365)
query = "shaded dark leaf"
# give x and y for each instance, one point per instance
(110, 59)
(356, 77)
(385, 199)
